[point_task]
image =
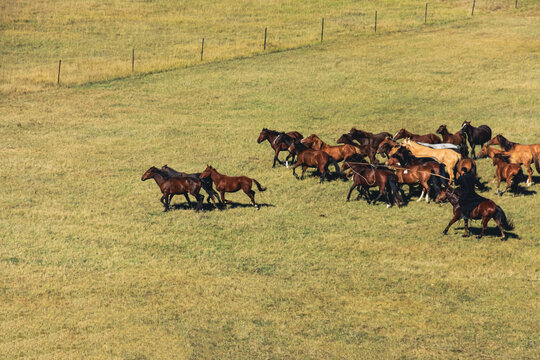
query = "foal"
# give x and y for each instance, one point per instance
(170, 186)
(512, 173)
(226, 183)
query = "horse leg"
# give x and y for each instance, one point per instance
(222, 193)
(164, 202)
(498, 184)
(453, 220)
(530, 171)
(485, 220)
(381, 194)
(466, 228)
(251, 194)
(187, 199)
(276, 158)
(421, 196)
(304, 169)
(500, 228)
(473, 152)
(294, 169)
(350, 191)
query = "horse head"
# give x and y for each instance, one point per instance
(442, 129)
(400, 134)
(207, 172)
(149, 174)
(263, 135)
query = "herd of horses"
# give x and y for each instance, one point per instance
(428, 160)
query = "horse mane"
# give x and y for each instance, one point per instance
(503, 157)
(505, 143)
(299, 146)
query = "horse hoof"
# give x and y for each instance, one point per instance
(478, 236)
(387, 206)
(444, 232)
(503, 238)
(465, 235)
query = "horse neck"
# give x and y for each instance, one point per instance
(271, 136)
(160, 179)
(453, 198)
(215, 176)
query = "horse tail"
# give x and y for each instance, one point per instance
(505, 222)
(519, 177)
(334, 162)
(258, 185)
(442, 172)
(463, 150)
(396, 197)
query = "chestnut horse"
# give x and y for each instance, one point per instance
(428, 138)
(448, 157)
(338, 152)
(504, 170)
(365, 150)
(226, 183)
(206, 183)
(525, 154)
(170, 186)
(486, 211)
(456, 139)
(311, 158)
(279, 141)
(366, 176)
(476, 136)
(415, 174)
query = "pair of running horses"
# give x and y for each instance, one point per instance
(172, 182)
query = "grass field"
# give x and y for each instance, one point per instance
(90, 266)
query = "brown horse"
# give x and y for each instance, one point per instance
(456, 139)
(226, 183)
(367, 138)
(365, 150)
(413, 174)
(448, 157)
(486, 210)
(525, 154)
(338, 152)
(279, 141)
(504, 170)
(311, 158)
(366, 176)
(476, 136)
(206, 183)
(388, 147)
(428, 138)
(489, 151)
(170, 186)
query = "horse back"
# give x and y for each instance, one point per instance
(295, 135)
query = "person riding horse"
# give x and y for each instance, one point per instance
(468, 199)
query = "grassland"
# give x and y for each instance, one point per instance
(90, 267)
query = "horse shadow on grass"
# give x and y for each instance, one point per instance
(330, 176)
(491, 231)
(211, 207)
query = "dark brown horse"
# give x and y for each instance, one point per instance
(428, 138)
(171, 186)
(366, 176)
(280, 141)
(504, 170)
(486, 211)
(307, 157)
(226, 183)
(365, 150)
(206, 183)
(476, 136)
(367, 138)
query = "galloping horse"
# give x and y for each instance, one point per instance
(206, 183)
(170, 186)
(525, 154)
(367, 138)
(366, 176)
(338, 153)
(445, 156)
(307, 157)
(428, 138)
(486, 210)
(279, 141)
(456, 139)
(476, 136)
(365, 150)
(504, 170)
(410, 174)
(226, 183)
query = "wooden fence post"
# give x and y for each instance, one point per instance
(473, 3)
(265, 32)
(375, 20)
(322, 29)
(425, 16)
(59, 65)
(202, 49)
(132, 59)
